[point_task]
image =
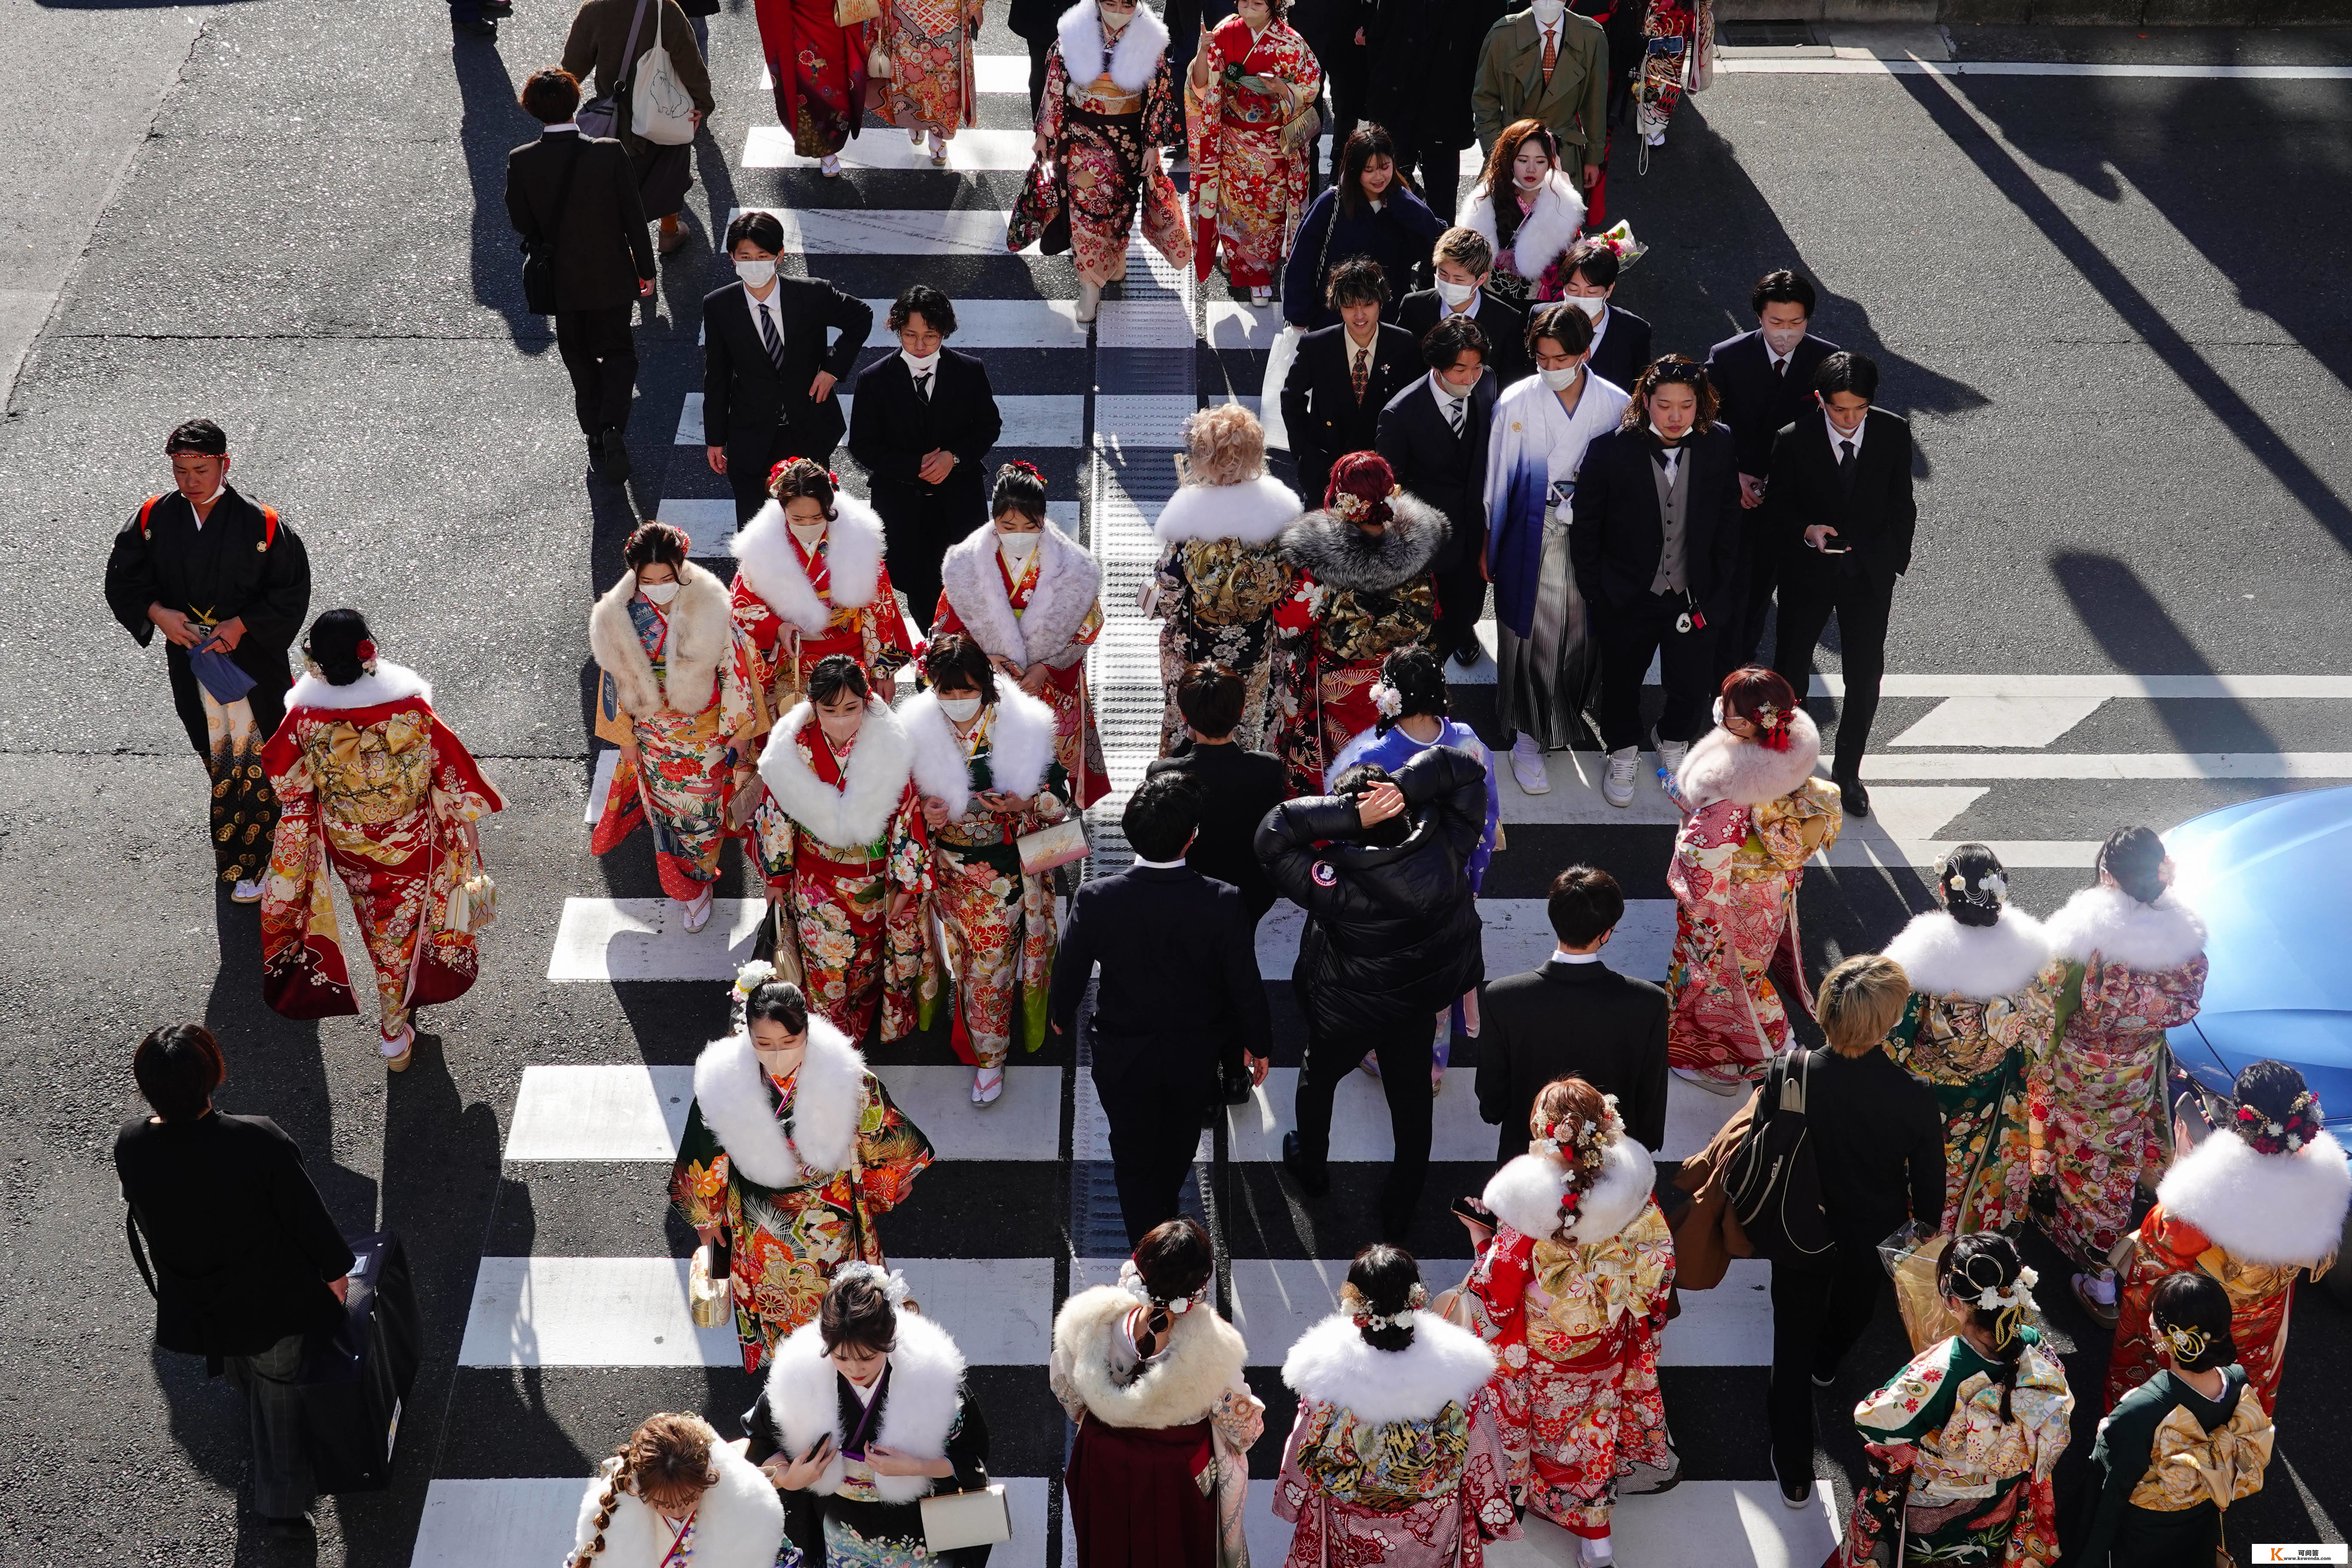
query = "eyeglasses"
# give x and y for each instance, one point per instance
(1677, 373)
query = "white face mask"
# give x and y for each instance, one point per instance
(963, 710)
(1455, 295)
(758, 274)
(1562, 379)
(922, 366)
(1592, 308)
(1783, 340)
(808, 534)
(1018, 547)
(658, 593)
(1548, 12)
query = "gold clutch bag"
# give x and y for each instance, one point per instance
(851, 13)
(957, 1519)
(1050, 847)
(710, 1299)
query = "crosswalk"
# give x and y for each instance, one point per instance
(577, 1324)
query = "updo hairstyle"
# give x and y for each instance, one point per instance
(334, 646)
(798, 478)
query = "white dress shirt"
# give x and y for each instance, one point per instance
(1837, 435)
(1561, 955)
(771, 307)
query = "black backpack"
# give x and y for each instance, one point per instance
(1774, 1188)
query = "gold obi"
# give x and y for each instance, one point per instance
(1233, 583)
(2188, 1465)
(1104, 96)
(369, 775)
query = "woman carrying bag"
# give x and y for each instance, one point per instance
(644, 54)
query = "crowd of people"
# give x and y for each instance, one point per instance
(888, 710)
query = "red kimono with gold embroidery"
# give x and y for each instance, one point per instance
(1048, 612)
(1249, 183)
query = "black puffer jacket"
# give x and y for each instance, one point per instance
(1392, 934)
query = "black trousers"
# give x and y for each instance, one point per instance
(1405, 1058)
(748, 463)
(1038, 50)
(918, 530)
(1759, 574)
(1809, 594)
(1461, 597)
(1435, 171)
(1628, 635)
(1154, 1134)
(600, 352)
(1818, 1312)
(283, 1482)
(273, 680)
(1347, 72)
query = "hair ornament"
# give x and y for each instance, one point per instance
(2185, 1342)
(1386, 700)
(2285, 1136)
(754, 974)
(1022, 466)
(1585, 1145)
(777, 472)
(1772, 727)
(1352, 1302)
(1988, 889)
(892, 1283)
(1350, 507)
(365, 652)
(1130, 1279)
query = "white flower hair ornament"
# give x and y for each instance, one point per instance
(1352, 1302)
(753, 976)
(891, 1282)
(1130, 1279)
(1387, 700)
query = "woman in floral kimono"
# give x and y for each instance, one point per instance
(840, 841)
(2177, 1451)
(1961, 1442)
(1029, 594)
(1222, 571)
(2127, 963)
(809, 583)
(1159, 1471)
(665, 630)
(791, 1149)
(1110, 106)
(1394, 1457)
(930, 43)
(1361, 592)
(1249, 100)
(1752, 816)
(1974, 1021)
(985, 762)
(1570, 1293)
(817, 67)
(371, 782)
(677, 1493)
(2252, 1206)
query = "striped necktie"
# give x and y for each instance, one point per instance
(768, 333)
(1454, 407)
(1552, 52)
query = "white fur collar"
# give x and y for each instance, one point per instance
(763, 547)
(1443, 1366)
(1254, 511)
(701, 627)
(828, 1094)
(2110, 923)
(1546, 232)
(1723, 767)
(873, 783)
(738, 1524)
(1205, 1355)
(1132, 60)
(1976, 963)
(390, 683)
(918, 1408)
(1067, 584)
(1524, 1194)
(2285, 1210)
(1020, 746)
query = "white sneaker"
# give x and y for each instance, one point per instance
(1527, 766)
(1089, 300)
(246, 892)
(1670, 756)
(1617, 787)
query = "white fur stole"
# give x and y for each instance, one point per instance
(873, 783)
(1020, 746)
(1721, 766)
(1543, 236)
(701, 627)
(390, 683)
(1205, 1355)
(918, 1408)
(852, 552)
(1253, 511)
(1068, 582)
(1976, 963)
(2285, 1210)
(739, 1523)
(2110, 923)
(828, 1095)
(1132, 60)
(1524, 1194)
(1444, 1364)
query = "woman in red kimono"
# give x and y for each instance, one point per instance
(1249, 102)
(371, 782)
(809, 582)
(817, 68)
(1028, 595)
(840, 840)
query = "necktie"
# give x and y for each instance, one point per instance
(1781, 368)
(1551, 54)
(1362, 372)
(1846, 463)
(1453, 413)
(768, 334)
(923, 386)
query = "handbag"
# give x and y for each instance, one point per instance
(786, 946)
(539, 250)
(709, 1287)
(601, 116)
(877, 64)
(851, 13)
(952, 1520)
(1056, 845)
(660, 108)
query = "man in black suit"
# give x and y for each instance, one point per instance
(1763, 380)
(768, 373)
(1181, 1000)
(1237, 786)
(1463, 260)
(1575, 1014)
(1620, 340)
(1434, 434)
(923, 421)
(1841, 516)
(1654, 541)
(1344, 375)
(577, 196)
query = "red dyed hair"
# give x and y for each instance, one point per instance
(1764, 699)
(1368, 477)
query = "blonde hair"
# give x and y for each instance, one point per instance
(670, 1454)
(1466, 248)
(1225, 444)
(1860, 1001)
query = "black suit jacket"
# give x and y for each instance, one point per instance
(891, 426)
(1180, 993)
(745, 398)
(1237, 787)
(1756, 401)
(242, 1247)
(1584, 1018)
(1614, 531)
(1505, 324)
(1318, 399)
(1447, 471)
(1875, 519)
(601, 248)
(1625, 350)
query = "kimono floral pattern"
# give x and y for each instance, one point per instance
(1217, 598)
(244, 812)
(1976, 1056)
(1099, 160)
(1326, 661)
(787, 1242)
(1248, 189)
(1409, 1494)
(2260, 1297)
(683, 780)
(767, 677)
(930, 65)
(1735, 875)
(817, 67)
(2096, 1105)
(1077, 743)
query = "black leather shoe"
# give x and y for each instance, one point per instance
(614, 461)
(1852, 796)
(1792, 1495)
(1316, 1178)
(1466, 652)
(496, 10)
(479, 27)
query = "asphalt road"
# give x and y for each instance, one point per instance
(2112, 306)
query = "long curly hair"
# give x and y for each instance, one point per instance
(1225, 444)
(1569, 1126)
(664, 1458)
